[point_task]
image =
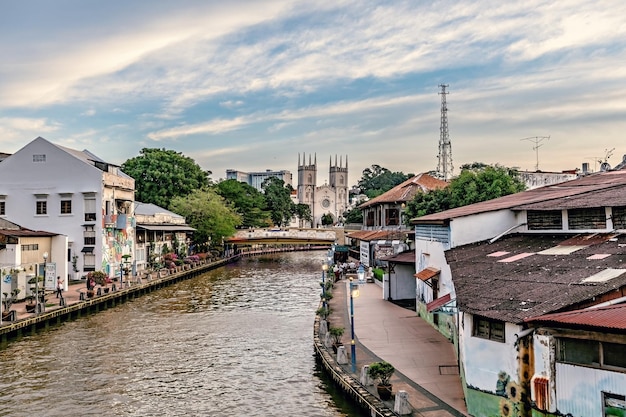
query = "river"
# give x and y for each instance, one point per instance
(236, 341)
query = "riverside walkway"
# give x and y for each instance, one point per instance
(425, 362)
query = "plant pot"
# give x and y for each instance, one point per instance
(91, 293)
(106, 290)
(30, 308)
(384, 391)
(335, 347)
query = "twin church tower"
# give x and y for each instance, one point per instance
(330, 198)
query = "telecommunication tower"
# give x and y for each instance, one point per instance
(444, 164)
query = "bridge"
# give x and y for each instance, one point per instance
(287, 236)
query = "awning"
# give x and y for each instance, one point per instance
(443, 304)
(427, 273)
(87, 249)
(166, 227)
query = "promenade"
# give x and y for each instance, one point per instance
(425, 362)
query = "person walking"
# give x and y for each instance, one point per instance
(59, 287)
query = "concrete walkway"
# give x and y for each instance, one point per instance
(425, 362)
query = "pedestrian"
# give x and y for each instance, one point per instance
(59, 287)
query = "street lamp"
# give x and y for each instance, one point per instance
(38, 302)
(324, 269)
(354, 293)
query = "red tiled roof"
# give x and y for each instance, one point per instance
(439, 302)
(407, 190)
(407, 257)
(427, 273)
(611, 317)
(585, 189)
(369, 235)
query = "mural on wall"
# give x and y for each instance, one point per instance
(115, 243)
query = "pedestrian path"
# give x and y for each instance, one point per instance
(425, 362)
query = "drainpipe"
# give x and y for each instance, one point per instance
(608, 303)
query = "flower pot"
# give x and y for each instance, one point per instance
(384, 392)
(30, 308)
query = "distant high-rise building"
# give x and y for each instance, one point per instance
(256, 179)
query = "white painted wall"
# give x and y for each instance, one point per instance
(479, 227)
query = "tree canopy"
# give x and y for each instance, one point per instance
(278, 200)
(209, 214)
(377, 180)
(477, 182)
(247, 201)
(160, 175)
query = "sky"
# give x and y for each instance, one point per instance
(255, 85)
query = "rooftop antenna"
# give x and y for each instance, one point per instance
(537, 141)
(604, 165)
(444, 165)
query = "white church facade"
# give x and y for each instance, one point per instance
(331, 198)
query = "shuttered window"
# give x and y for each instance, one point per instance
(544, 220)
(589, 218)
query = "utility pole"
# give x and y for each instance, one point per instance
(444, 164)
(537, 141)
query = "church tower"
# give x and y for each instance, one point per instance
(307, 182)
(338, 179)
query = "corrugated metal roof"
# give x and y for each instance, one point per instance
(407, 257)
(533, 285)
(439, 302)
(427, 273)
(611, 185)
(407, 190)
(610, 317)
(370, 235)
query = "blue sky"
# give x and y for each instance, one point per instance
(249, 85)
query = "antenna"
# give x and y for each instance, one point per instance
(537, 141)
(444, 165)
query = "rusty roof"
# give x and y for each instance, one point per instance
(512, 280)
(406, 191)
(407, 257)
(369, 235)
(611, 185)
(605, 318)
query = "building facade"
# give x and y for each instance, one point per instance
(328, 199)
(73, 193)
(256, 179)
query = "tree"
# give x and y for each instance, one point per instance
(278, 200)
(303, 211)
(378, 180)
(477, 182)
(160, 175)
(209, 214)
(354, 215)
(327, 219)
(247, 201)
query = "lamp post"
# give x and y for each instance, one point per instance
(38, 301)
(324, 269)
(354, 293)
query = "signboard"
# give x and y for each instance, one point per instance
(364, 256)
(51, 276)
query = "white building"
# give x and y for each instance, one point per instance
(74, 193)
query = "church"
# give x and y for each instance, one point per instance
(330, 198)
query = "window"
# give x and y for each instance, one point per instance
(392, 217)
(30, 247)
(370, 218)
(589, 218)
(544, 220)
(66, 206)
(39, 158)
(89, 236)
(592, 353)
(489, 329)
(613, 404)
(89, 261)
(90, 208)
(2, 208)
(42, 207)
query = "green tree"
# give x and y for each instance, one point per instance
(278, 200)
(303, 211)
(209, 214)
(477, 182)
(327, 219)
(377, 180)
(354, 215)
(247, 201)
(160, 175)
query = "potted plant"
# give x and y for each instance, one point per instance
(382, 372)
(8, 301)
(99, 278)
(36, 285)
(323, 312)
(336, 333)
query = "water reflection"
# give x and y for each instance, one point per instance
(233, 342)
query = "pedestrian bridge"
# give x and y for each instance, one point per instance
(287, 236)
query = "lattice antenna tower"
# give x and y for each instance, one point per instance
(444, 164)
(537, 141)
